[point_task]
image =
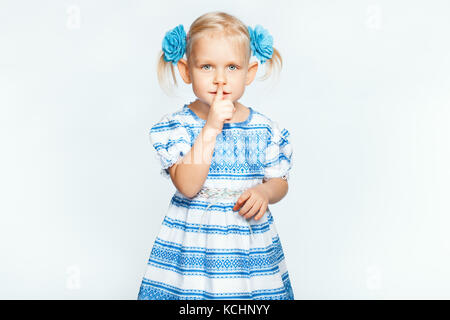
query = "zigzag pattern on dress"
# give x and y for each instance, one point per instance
(205, 250)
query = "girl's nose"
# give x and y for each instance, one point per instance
(220, 82)
(220, 78)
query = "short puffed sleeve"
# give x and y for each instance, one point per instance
(278, 161)
(171, 140)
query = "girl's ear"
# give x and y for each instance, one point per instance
(251, 73)
(183, 68)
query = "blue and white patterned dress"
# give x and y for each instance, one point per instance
(204, 249)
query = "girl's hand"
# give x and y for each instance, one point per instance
(221, 109)
(254, 201)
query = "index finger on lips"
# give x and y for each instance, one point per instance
(219, 93)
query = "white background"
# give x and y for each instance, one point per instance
(364, 93)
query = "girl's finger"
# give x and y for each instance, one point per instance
(253, 210)
(247, 207)
(241, 200)
(219, 93)
(262, 211)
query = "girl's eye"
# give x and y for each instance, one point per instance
(207, 65)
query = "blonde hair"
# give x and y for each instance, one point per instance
(216, 23)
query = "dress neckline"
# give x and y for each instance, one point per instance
(226, 124)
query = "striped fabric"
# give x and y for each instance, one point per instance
(205, 250)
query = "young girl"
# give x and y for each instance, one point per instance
(228, 162)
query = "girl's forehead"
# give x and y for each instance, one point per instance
(217, 48)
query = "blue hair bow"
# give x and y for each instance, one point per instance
(261, 43)
(174, 44)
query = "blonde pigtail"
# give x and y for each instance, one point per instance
(163, 70)
(274, 63)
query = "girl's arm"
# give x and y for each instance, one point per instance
(254, 201)
(190, 172)
(275, 188)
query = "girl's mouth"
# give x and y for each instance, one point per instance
(223, 93)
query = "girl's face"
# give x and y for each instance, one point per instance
(216, 60)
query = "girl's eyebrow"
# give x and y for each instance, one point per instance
(211, 62)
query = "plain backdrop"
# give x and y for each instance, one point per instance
(364, 92)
